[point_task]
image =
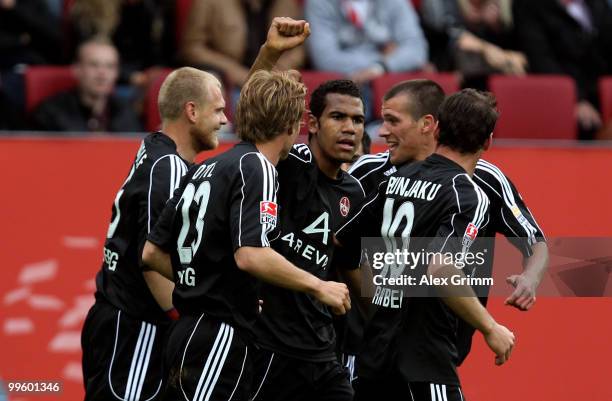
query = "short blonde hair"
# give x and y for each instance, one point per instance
(184, 85)
(270, 104)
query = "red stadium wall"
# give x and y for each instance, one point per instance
(54, 215)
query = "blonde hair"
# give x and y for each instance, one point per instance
(270, 104)
(184, 85)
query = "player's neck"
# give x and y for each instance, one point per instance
(330, 168)
(466, 160)
(184, 146)
(271, 149)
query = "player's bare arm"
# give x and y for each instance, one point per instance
(358, 286)
(284, 34)
(270, 266)
(463, 301)
(525, 284)
(158, 260)
(161, 288)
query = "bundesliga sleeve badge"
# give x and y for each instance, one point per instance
(470, 235)
(268, 213)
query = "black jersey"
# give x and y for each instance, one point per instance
(312, 207)
(224, 203)
(509, 215)
(435, 199)
(154, 175)
(371, 170)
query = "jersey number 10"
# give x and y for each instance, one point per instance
(388, 231)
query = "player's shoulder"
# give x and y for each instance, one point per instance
(249, 161)
(485, 168)
(352, 185)
(158, 144)
(492, 179)
(369, 163)
(159, 151)
(301, 152)
(467, 192)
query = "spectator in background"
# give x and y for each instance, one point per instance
(91, 106)
(225, 36)
(479, 35)
(29, 34)
(365, 38)
(572, 37)
(137, 29)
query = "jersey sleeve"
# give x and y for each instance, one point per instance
(468, 215)
(161, 232)
(509, 213)
(254, 210)
(366, 170)
(164, 179)
(363, 222)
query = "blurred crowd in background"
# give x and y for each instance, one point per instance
(116, 49)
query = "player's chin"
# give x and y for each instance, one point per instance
(210, 142)
(344, 153)
(344, 156)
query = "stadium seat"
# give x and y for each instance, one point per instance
(381, 85)
(312, 79)
(42, 82)
(605, 95)
(535, 106)
(181, 17)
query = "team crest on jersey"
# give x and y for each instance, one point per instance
(345, 206)
(268, 213)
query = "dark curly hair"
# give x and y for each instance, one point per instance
(339, 86)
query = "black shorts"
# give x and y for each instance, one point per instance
(281, 378)
(348, 361)
(207, 360)
(122, 356)
(390, 389)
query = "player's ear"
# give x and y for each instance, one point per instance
(428, 124)
(191, 112)
(313, 124)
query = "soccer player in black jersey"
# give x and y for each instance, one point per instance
(298, 359)
(124, 330)
(217, 230)
(409, 128)
(410, 345)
